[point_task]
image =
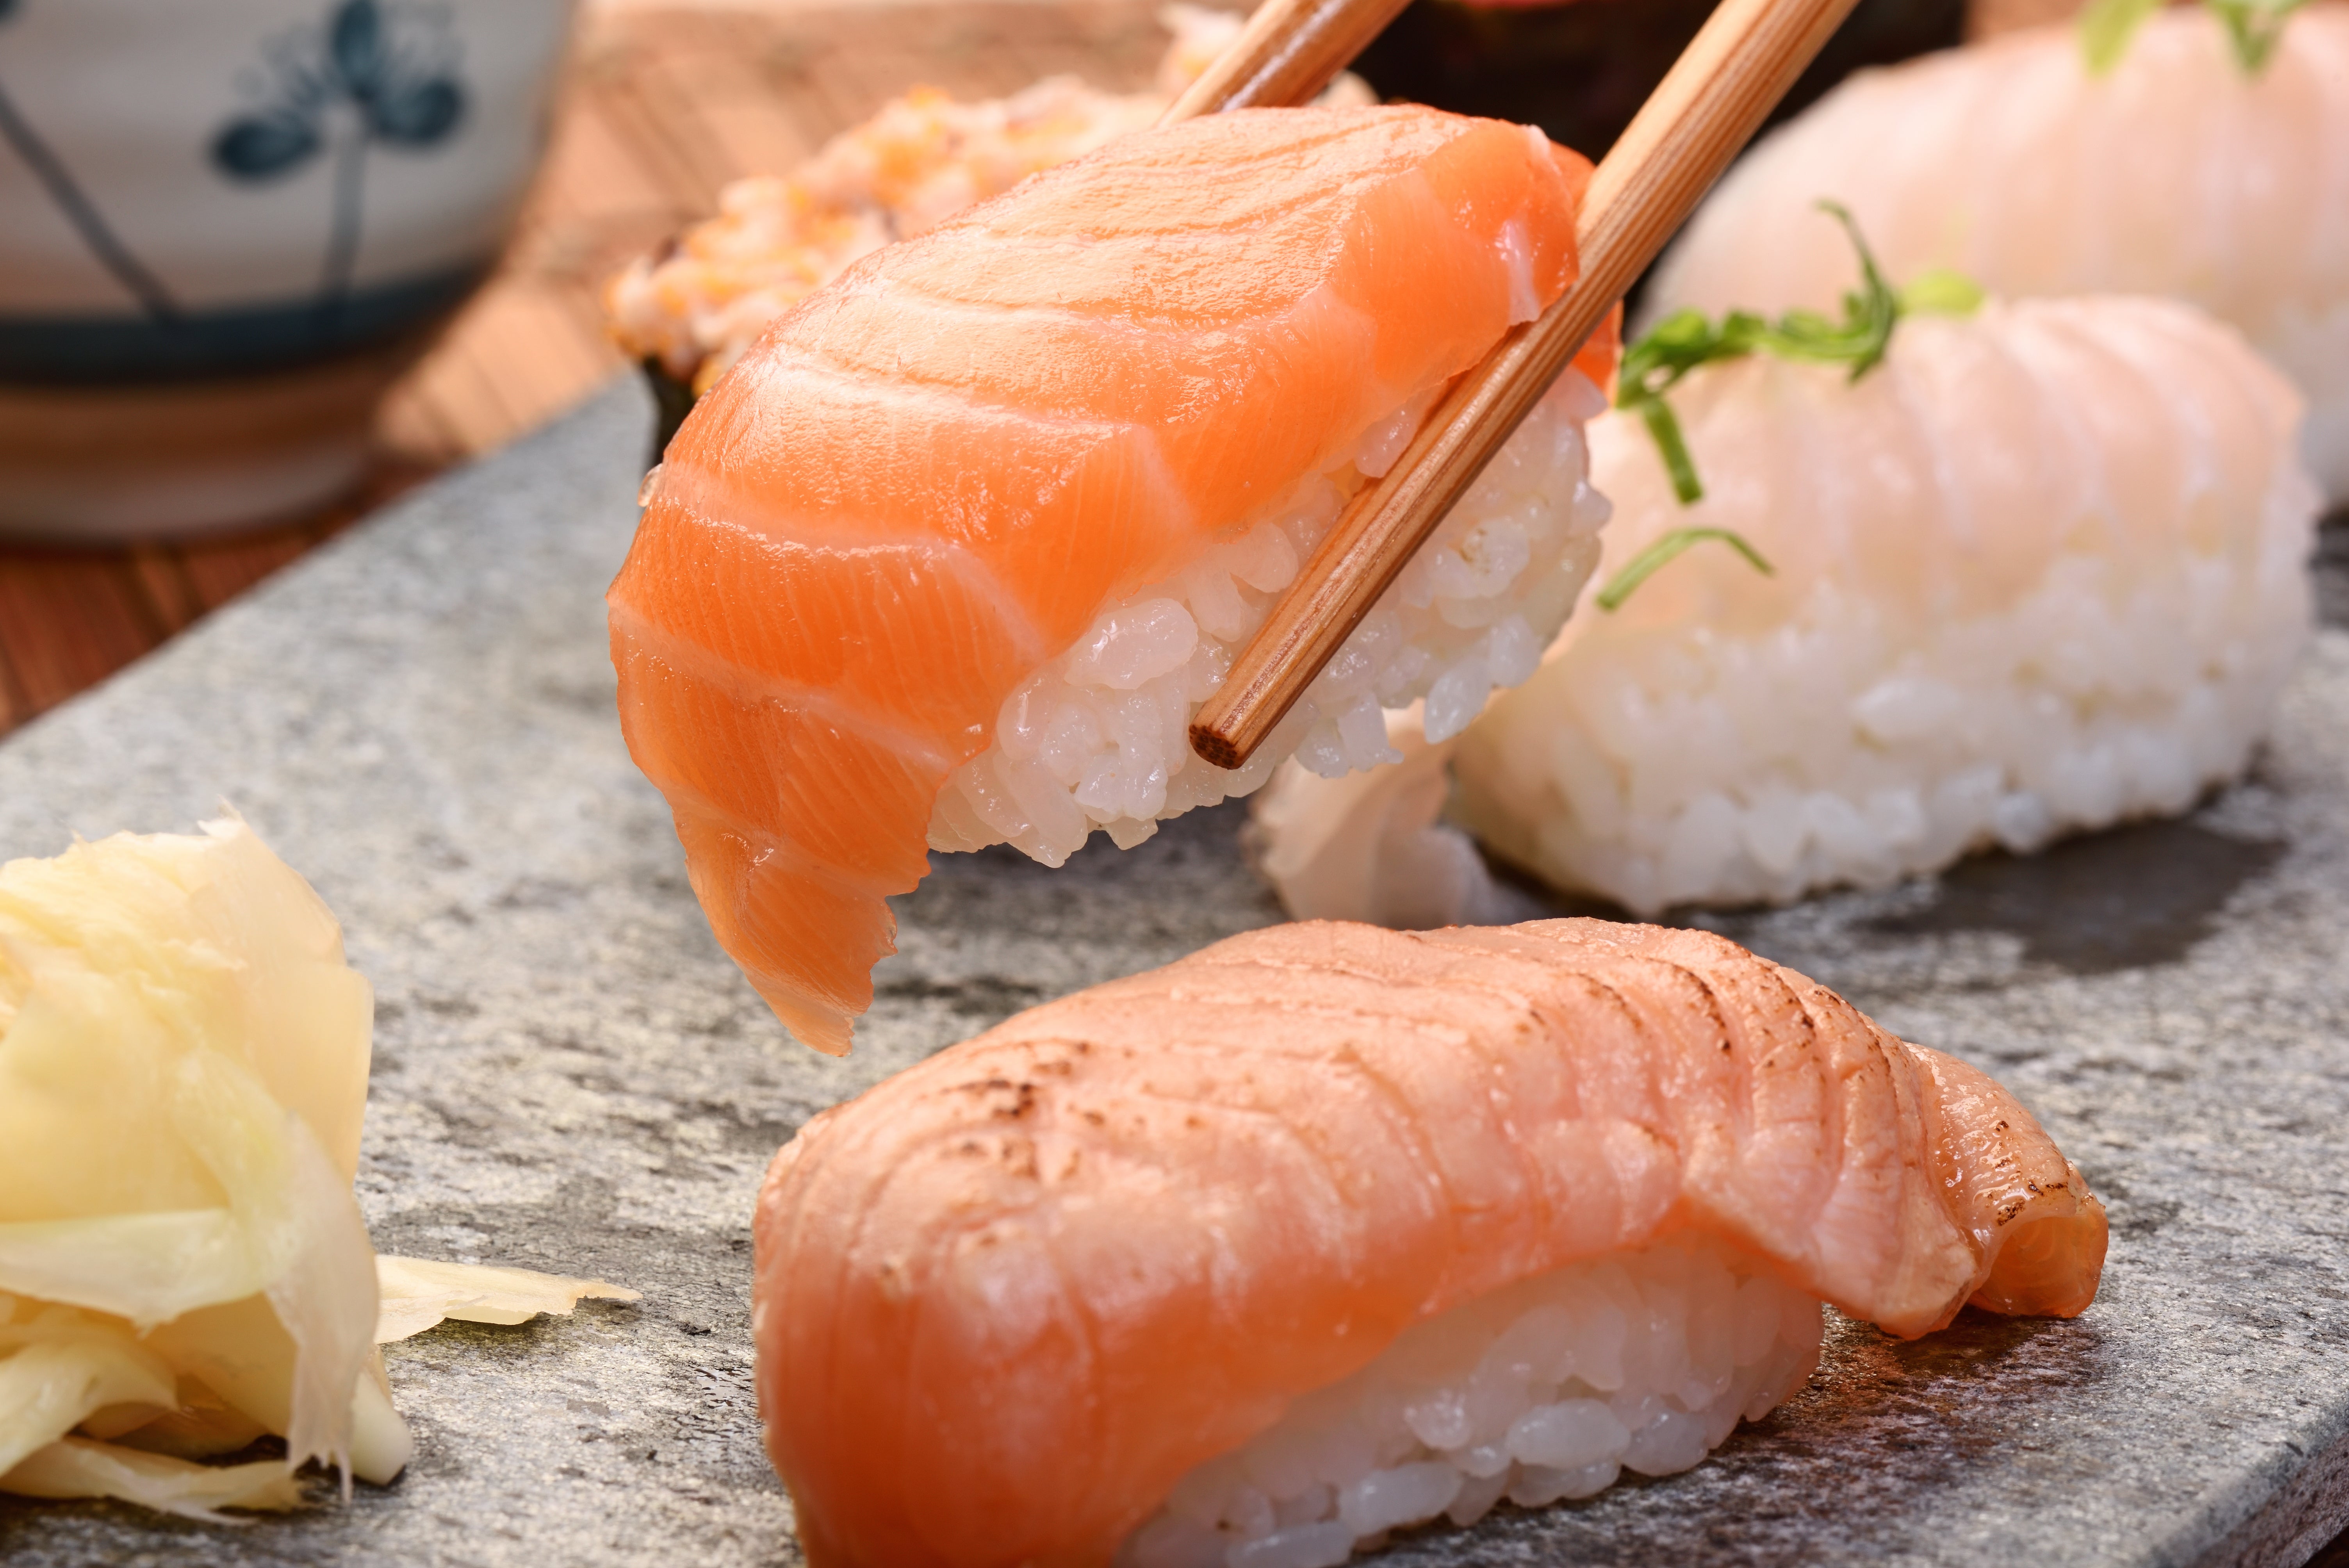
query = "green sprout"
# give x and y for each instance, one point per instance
(1940, 292)
(2254, 26)
(2105, 28)
(1685, 339)
(1653, 559)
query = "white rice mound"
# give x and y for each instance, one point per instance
(1545, 1390)
(2043, 570)
(1098, 736)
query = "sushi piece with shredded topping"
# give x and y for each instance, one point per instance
(694, 308)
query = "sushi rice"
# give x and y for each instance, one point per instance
(1097, 738)
(1545, 1391)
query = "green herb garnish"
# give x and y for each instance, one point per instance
(1685, 339)
(2254, 26)
(1940, 292)
(2105, 28)
(1688, 339)
(1653, 559)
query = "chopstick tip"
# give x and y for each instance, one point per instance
(1217, 750)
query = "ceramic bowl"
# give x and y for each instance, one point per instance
(226, 227)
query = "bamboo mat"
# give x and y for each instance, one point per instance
(664, 105)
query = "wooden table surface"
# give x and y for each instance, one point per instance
(666, 104)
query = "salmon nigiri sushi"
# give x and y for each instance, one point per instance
(952, 555)
(1327, 1230)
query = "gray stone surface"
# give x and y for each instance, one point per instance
(570, 1075)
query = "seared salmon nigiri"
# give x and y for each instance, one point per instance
(1327, 1230)
(951, 556)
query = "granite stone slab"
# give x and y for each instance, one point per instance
(570, 1075)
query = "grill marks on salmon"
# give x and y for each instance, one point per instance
(1007, 1298)
(930, 476)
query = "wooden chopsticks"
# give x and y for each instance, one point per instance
(1739, 64)
(1290, 50)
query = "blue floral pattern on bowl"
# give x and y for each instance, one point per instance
(78, 210)
(407, 98)
(318, 96)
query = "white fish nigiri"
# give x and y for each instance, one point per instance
(2178, 173)
(2041, 570)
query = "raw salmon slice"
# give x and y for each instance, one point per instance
(1008, 1298)
(931, 477)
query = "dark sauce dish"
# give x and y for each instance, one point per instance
(1581, 70)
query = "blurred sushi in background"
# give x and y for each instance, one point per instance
(689, 312)
(2198, 155)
